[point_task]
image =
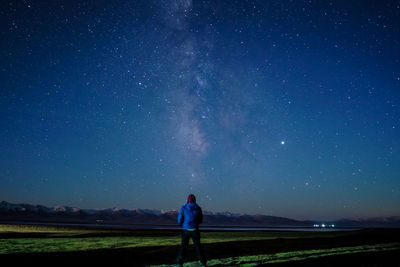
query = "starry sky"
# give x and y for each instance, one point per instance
(285, 108)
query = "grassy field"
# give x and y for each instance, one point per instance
(160, 247)
(32, 239)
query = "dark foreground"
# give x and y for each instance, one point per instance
(157, 255)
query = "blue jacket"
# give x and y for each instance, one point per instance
(190, 216)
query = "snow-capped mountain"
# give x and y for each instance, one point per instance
(28, 212)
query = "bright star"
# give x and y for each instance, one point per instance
(282, 142)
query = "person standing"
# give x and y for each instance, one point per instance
(189, 218)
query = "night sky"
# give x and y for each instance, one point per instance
(285, 108)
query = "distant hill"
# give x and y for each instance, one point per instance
(64, 214)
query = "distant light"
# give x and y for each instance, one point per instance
(322, 225)
(282, 142)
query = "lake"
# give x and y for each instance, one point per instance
(175, 227)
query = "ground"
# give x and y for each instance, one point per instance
(70, 245)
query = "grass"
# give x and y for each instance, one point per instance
(50, 230)
(281, 257)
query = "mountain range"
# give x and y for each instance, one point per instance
(10, 212)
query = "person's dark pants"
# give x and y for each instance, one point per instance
(195, 236)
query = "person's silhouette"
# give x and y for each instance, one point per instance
(189, 218)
